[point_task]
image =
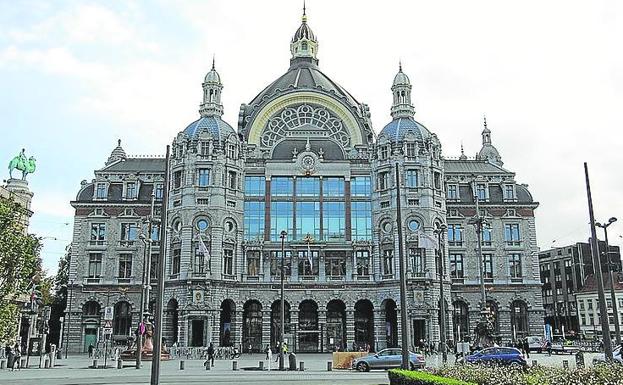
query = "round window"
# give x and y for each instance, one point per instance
(387, 226)
(202, 224)
(414, 225)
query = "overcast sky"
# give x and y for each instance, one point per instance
(75, 76)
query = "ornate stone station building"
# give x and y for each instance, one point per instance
(304, 159)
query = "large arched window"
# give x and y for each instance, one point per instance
(308, 326)
(336, 325)
(275, 322)
(391, 324)
(493, 315)
(461, 320)
(91, 308)
(364, 324)
(519, 319)
(228, 309)
(252, 326)
(122, 319)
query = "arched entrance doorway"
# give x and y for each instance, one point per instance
(461, 320)
(91, 322)
(122, 319)
(391, 323)
(308, 326)
(228, 309)
(336, 325)
(171, 325)
(364, 325)
(519, 319)
(275, 323)
(252, 326)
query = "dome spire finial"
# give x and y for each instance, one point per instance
(401, 90)
(213, 69)
(462, 157)
(399, 65)
(304, 44)
(212, 88)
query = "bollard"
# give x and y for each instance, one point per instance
(181, 364)
(94, 366)
(302, 366)
(2, 364)
(329, 366)
(46, 362)
(207, 364)
(234, 365)
(534, 363)
(565, 364)
(261, 365)
(23, 363)
(119, 363)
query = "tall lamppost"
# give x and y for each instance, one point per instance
(442, 302)
(68, 318)
(615, 310)
(146, 280)
(282, 307)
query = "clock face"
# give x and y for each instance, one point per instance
(308, 162)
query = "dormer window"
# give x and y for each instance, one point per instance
(481, 191)
(384, 152)
(304, 46)
(131, 191)
(452, 192)
(204, 148)
(410, 150)
(100, 191)
(231, 151)
(159, 191)
(509, 192)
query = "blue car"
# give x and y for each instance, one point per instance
(498, 356)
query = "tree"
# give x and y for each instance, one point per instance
(20, 265)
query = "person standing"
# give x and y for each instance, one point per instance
(269, 355)
(18, 357)
(526, 347)
(210, 355)
(90, 350)
(266, 351)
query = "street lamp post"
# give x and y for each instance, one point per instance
(146, 280)
(442, 302)
(282, 307)
(68, 318)
(615, 310)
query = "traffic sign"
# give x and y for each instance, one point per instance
(108, 331)
(108, 324)
(108, 313)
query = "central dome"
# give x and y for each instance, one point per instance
(398, 128)
(213, 125)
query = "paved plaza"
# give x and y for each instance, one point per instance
(75, 371)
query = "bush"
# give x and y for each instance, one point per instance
(408, 377)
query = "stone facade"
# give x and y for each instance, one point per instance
(304, 159)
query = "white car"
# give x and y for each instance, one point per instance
(616, 356)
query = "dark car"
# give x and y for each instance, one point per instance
(387, 359)
(497, 356)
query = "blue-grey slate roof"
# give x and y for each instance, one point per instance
(217, 127)
(399, 127)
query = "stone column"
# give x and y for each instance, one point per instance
(322, 274)
(380, 333)
(350, 328)
(322, 330)
(294, 328)
(265, 329)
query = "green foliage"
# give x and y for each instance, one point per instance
(20, 264)
(410, 377)
(605, 374)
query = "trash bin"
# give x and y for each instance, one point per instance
(292, 361)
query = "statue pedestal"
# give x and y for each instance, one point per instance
(17, 189)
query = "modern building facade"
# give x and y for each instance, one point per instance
(564, 271)
(306, 160)
(588, 305)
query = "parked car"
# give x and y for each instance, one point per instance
(497, 356)
(537, 343)
(388, 359)
(616, 356)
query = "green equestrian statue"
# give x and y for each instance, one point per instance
(23, 164)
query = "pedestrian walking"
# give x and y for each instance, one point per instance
(210, 360)
(526, 347)
(267, 351)
(18, 357)
(91, 347)
(549, 347)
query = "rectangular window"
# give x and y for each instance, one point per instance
(411, 178)
(383, 181)
(204, 149)
(95, 265)
(361, 220)
(159, 191)
(130, 190)
(362, 259)
(101, 191)
(384, 152)
(232, 180)
(511, 234)
(509, 192)
(360, 186)
(231, 151)
(275, 263)
(514, 264)
(254, 221)
(129, 232)
(411, 150)
(481, 191)
(204, 177)
(488, 265)
(333, 187)
(437, 180)
(388, 262)
(175, 260)
(308, 187)
(228, 261)
(281, 218)
(255, 186)
(125, 265)
(281, 186)
(456, 265)
(153, 269)
(335, 266)
(155, 232)
(98, 233)
(417, 256)
(486, 234)
(307, 220)
(455, 234)
(177, 178)
(305, 268)
(453, 192)
(253, 263)
(334, 220)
